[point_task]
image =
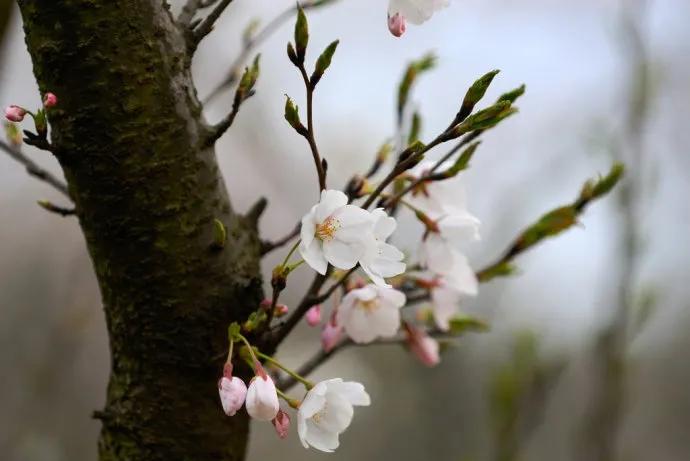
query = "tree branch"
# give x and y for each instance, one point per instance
(34, 169)
(320, 357)
(190, 9)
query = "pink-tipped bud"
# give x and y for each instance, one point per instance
(314, 315)
(282, 424)
(423, 346)
(280, 310)
(396, 24)
(50, 100)
(330, 335)
(14, 113)
(233, 392)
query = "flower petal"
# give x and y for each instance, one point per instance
(314, 256)
(331, 200)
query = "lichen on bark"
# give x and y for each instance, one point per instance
(128, 133)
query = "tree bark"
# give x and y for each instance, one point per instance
(128, 132)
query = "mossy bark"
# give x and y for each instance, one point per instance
(128, 132)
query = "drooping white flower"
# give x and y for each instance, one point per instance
(370, 312)
(438, 251)
(446, 294)
(334, 232)
(232, 391)
(437, 198)
(415, 11)
(262, 398)
(452, 265)
(327, 411)
(382, 259)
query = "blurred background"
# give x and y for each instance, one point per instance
(587, 357)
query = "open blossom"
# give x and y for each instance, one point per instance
(370, 312)
(415, 11)
(327, 411)
(14, 113)
(334, 232)
(423, 346)
(262, 398)
(382, 259)
(438, 251)
(232, 392)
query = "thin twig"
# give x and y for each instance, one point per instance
(34, 169)
(321, 356)
(206, 25)
(393, 201)
(309, 135)
(233, 74)
(267, 247)
(59, 210)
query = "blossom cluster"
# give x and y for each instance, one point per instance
(324, 413)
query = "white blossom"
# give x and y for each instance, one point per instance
(381, 259)
(334, 232)
(370, 312)
(327, 411)
(415, 11)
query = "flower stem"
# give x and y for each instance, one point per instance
(308, 384)
(294, 403)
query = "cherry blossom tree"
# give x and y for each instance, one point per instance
(193, 337)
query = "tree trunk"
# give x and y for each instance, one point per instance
(128, 132)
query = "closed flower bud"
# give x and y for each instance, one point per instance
(314, 316)
(282, 424)
(232, 392)
(330, 335)
(396, 24)
(14, 113)
(423, 346)
(262, 398)
(50, 100)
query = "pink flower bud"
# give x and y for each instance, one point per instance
(232, 392)
(280, 310)
(396, 24)
(314, 315)
(14, 113)
(262, 398)
(330, 336)
(423, 346)
(282, 424)
(49, 100)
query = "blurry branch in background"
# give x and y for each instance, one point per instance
(518, 393)
(552, 223)
(41, 174)
(34, 169)
(603, 421)
(251, 39)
